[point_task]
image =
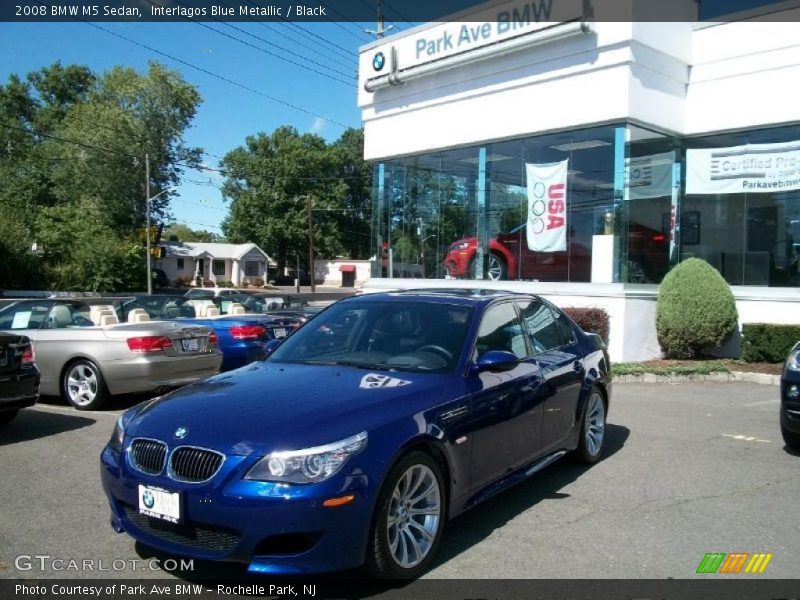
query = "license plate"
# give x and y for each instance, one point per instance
(190, 345)
(159, 503)
(280, 332)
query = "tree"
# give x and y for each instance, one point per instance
(270, 181)
(182, 233)
(72, 150)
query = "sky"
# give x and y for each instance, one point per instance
(228, 114)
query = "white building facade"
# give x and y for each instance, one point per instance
(581, 159)
(241, 265)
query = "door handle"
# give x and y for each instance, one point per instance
(578, 366)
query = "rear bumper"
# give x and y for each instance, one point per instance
(19, 391)
(147, 373)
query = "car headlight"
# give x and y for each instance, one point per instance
(310, 465)
(461, 246)
(792, 362)
(115, 443)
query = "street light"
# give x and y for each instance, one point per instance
(149, 265)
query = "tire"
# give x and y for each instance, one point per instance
(497, 270)
(391, 554)
(83, 385)
(7, 416)
(791, 439)
(593, 426)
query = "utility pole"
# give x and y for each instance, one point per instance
(311, 270)
(147, 210)
(381, 30)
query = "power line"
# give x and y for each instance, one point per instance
(217, 76)
(398, 13)
(336, 60)
(265, 51)
(311, 35)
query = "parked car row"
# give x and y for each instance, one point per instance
(89, 349)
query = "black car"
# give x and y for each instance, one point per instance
(790, 400)
(19, 377)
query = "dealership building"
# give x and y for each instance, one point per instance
(580, 159)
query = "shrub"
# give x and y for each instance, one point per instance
(763, 342)
(183, 281)
(591, 320)
(225, 284)
(255, 282)
(695, 311)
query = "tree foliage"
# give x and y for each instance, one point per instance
(272, 178)
(696, 310)
(72, 144)
(183, 233)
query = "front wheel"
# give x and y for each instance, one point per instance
(593, 429)
(7, 416)
(408, 520)
(496, 269)
(84, 386)
(791, 439)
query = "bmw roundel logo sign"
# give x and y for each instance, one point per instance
(181, 432)
(147, 499)
(378, 61)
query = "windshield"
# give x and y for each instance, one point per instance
(402, 336)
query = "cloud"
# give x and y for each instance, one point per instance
(317, 125)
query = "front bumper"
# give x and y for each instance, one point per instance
(274, 529)
(146, 373)
(457, 262)
(790, 401)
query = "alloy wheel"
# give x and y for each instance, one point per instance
(82, 384)
(415, 510)
(595, 424)
(495, 269)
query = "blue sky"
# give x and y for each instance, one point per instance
(228, 113)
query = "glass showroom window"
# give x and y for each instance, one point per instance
(558, 186)
(423, 205)
(741, 210)
(650, 207)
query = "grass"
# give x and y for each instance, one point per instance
(700, 367)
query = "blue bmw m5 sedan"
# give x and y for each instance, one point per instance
(361, 434)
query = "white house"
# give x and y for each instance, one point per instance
(241, 264)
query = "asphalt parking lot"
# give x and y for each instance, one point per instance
(690, 468)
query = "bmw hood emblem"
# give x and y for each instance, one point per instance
(378, 61)
(181, 432)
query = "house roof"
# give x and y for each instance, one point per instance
(213, 250)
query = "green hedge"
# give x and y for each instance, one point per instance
(591, 320)
(763, 342)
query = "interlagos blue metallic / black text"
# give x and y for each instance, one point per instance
(361, 434)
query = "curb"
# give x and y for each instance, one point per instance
(760, 378)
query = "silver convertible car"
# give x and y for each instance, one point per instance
(86, 355)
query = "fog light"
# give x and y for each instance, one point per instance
(793, 392)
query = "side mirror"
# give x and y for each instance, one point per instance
(270, 346)
(497, 361)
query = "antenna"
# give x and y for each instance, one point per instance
(381, 28)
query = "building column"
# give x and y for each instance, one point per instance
(482, 210)
(621, 207)
(236, 273)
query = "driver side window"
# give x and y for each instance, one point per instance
(25, 315)
(501, 330)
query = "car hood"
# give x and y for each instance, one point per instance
(265, 406)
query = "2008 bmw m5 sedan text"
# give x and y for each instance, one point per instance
(361, 434)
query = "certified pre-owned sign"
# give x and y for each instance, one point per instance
(752, 169)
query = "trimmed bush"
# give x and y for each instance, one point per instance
(763, 342)
(696, 310)
(591, 320)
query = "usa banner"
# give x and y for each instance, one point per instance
(547, 206)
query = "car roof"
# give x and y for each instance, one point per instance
(466, 296)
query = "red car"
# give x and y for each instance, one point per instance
(510, 258)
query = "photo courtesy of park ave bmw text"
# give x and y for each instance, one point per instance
(455, 300)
